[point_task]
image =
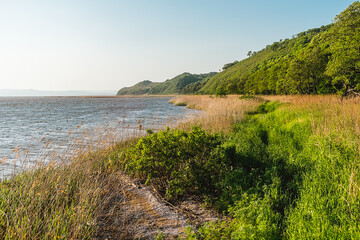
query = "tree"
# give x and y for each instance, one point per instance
(344, 65)
(296, 74)
(226, 66)
(220, 91)
(307, 69)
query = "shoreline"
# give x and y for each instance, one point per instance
(259, 164)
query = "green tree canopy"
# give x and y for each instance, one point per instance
(344, 65)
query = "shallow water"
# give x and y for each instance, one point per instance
(36, 128)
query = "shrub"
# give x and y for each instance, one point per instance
(177, 162)
(181, 104)
(220, 92)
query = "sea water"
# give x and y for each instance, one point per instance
(34, 129)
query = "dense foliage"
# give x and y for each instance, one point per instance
(318, 61)
(179, 162)
(140, 88)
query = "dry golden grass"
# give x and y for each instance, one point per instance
(46, 203)
(62, 193)
(59, 199)
(219, 114)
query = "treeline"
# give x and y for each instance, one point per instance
(319, 61)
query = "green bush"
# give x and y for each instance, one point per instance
(179, 162)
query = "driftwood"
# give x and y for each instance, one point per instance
(350, 93)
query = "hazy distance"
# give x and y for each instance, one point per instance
(33, 92)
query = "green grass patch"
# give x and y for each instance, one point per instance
(180, 104)
(289, 183)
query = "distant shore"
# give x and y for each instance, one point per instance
(127, 96)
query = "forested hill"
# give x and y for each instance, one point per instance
(182, 84)
(318, 61)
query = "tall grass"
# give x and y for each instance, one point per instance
(329, 201)
(54, 201)
(218, 114)
(63, 193)
(330, 114)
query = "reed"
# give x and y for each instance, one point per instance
(63, 193)
(53, 201)
(218, 114)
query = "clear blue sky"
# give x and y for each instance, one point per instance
(108, 44)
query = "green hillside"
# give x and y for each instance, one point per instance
(238, 77)
(322, 60)
(183, 83)
(318, 61)
(138, 89)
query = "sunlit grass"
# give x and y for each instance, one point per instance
(331, 116)
(218, 114)
(305, 160)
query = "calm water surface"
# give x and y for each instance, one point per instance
(34, 128)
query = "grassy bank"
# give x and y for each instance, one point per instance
(288, 169)
(280, 167)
